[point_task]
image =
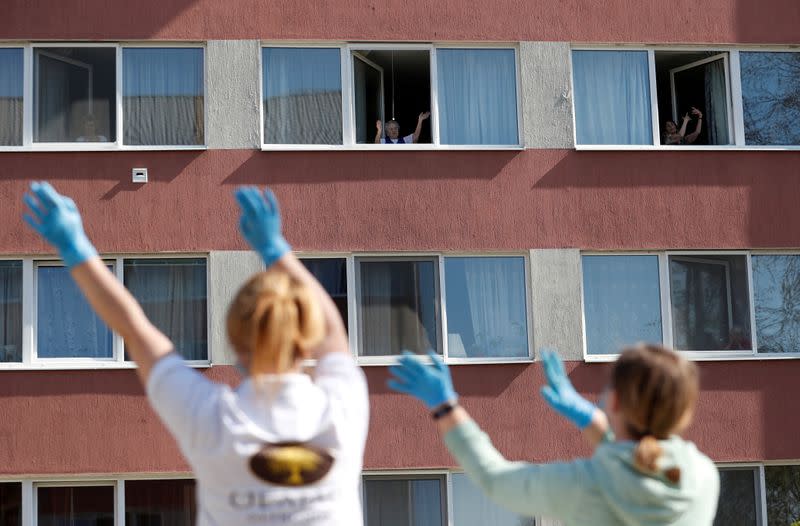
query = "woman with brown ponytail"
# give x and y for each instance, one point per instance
(284, 448)
(641, 472)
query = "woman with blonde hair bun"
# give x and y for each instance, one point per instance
(284, 447)
(641, 473)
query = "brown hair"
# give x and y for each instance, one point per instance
(276, 320)
(656, 391)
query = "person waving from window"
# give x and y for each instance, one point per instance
(672, 135)
(283, 448)
(393, 131)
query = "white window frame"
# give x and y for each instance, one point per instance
(30, 360)
(733, 87)
(665, 293)
(346, 50)
(29, 145)
(351, 261)
(759, 483)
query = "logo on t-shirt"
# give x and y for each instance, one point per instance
(291, 464)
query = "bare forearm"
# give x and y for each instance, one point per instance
(120, 311)
(417, 131)
(682, 131)
(597, 428)
(336, 334)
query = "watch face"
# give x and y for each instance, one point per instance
(291, 464)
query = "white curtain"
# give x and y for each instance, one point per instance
(716, 103)
(173, 295)
(67, 326)
(163, 96)
(11, 96)
(302, 96)
(10, 311)
(612, 97)
(486, 314)
(403, 502)
(477, 96)
(700, 305)
(397, 307)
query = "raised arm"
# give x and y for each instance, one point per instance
(379, 128)
(697, 129)
(56, 218)
(260, 225)
(418, 129)
(682, 131)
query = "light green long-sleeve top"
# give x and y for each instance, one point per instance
(605, 489)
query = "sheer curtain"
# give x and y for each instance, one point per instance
(612, 97)
(53, 99)
(471, 507)
(10, 311)
(486, 314)
(173, 295)
(160, 502)
(302, 95)
(477, 96)
(67, 327)
(403, 502)
(700, 305)
(716, 103)
(397, 307)
(11, 96)
(162, 99)
(78, 505)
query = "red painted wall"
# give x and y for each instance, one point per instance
(507, 200)
(99, 421)
(719, 21)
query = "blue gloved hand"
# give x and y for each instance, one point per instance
(431, 384)
(56, 218)
(260, 223)
(560, 394)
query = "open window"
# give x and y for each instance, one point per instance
(694, 88)
(392, 87)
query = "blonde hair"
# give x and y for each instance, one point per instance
(275, 320)
(656, 391)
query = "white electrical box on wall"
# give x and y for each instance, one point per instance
(140, 175)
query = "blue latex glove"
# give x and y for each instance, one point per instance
(431, 384)
(560, 394)
(260, 223)
(56, 218)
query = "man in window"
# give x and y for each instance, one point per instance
(393, 131)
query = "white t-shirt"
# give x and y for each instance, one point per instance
(221, 431)
(408, 139)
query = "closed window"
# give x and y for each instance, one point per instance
(622, 301)
(332, 275)
(783, 494)
(162, 96)
(302, 90)
(173, 294)
(11, 503)
(10, 311)
(776, 290)
(738, 497)
(160, 502)
(771, 97)
(404, 501)
(11, 81)
(84, 505)
(66, 325)
(486, 307)
(471, 507)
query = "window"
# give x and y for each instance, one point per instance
(67, 327)
(332, 274)
(85, 505)
(162, 96)
(398, 306)
(408, 501)
(486, 307)
(11, 503)
(11, 75)
(705, 97)
(302, 90)
(612, 97)
(622, 301)
(783, 494)
(704, 303)
(157, 502)
(471, 507)
(389, 94)
(74, 93)
(771, 97)
(710, 303)
(173, 294)
(10, 311)
(738, 497)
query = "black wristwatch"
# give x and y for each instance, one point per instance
(444, 409)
